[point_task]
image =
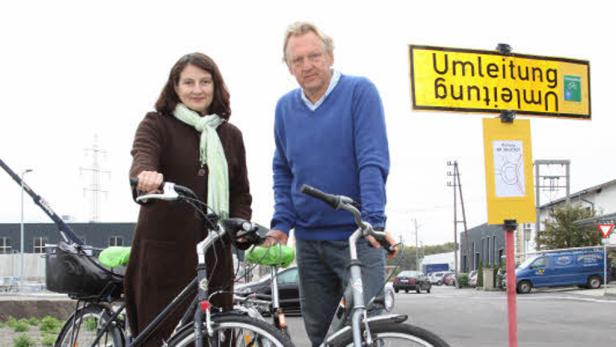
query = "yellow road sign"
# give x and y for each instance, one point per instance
(509, 171)
(454, 79)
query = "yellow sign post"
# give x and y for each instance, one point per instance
(455, 79)
(451, 79)
(509, 171)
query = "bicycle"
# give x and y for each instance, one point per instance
(273, 257)
(380, 330)
(101, 322)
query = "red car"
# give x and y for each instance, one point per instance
(449, 279)
(412, 280)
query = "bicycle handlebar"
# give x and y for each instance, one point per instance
(240, 229)
(331, 200)
(348, 204)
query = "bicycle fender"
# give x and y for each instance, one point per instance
(332, 340)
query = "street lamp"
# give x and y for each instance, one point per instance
(21, 272)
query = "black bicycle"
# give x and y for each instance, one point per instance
(99, 319)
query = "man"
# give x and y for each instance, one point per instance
(329, 133)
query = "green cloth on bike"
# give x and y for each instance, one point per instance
(279, 255)
(114, 256)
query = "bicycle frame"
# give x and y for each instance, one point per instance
(201, 309)
(357, 307)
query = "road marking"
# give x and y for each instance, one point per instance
(519, 297)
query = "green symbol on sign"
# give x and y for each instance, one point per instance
(573, 88)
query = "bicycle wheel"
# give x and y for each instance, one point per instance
(235, 331)
(82, 328)
(389, 334)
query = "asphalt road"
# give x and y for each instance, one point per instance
(468, 317)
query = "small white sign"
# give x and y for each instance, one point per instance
(509, 169)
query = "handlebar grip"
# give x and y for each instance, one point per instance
(331, 200)
(134, 181)
(389, 248)
(182, 190)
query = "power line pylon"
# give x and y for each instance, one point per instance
(95, 188)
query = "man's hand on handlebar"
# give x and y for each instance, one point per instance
(149, 181)
(390, 239)
(274, 237)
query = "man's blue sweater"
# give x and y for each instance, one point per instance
(339, 148)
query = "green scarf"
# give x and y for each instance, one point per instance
(211, 154)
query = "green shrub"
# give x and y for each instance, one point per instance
(11, 322)
(90, 323)
(34, 321)
(463, 280)
(480, 275)
(50, 324)
(23, 341)
(21, 326)
(48, 340)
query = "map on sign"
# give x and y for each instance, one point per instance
(509, 176)
(509, 168)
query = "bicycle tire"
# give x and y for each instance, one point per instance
(83, 326)
(237, 331)
(390, 334)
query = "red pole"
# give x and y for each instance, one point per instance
(512, 315)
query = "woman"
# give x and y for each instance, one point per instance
(189, 141)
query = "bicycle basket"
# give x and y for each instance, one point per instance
(74, 272)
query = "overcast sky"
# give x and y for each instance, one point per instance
(73, 70)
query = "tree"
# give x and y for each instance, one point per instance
(561, 232)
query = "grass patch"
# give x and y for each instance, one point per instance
(50, 324)
(48, 340)
(23, 341)
(34, 321)
(21, 326)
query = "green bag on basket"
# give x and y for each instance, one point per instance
(114, 256)
(278, 255)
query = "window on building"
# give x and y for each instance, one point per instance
(494, 260)
(5, 245)
(39, 244)
(488, 257)
(474, 265)
(500, 257)
(116, 241)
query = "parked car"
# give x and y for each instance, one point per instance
(437, 277)
(412, 280)
(288, 290)
(472, 278)
(449, 279)
(582, 268)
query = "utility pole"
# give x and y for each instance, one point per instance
(549, 183)
(457, 189)
(95, 187)
(416, 246)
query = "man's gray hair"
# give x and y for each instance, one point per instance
(301, 28)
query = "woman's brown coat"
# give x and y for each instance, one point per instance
(163, 257)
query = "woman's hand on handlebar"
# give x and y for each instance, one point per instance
(274, 237)
(390, 239)
(149, 181)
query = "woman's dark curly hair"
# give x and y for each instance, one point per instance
(168, 98)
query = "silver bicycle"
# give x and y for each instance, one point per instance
(386, 330)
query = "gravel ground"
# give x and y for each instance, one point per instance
(8, 336)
